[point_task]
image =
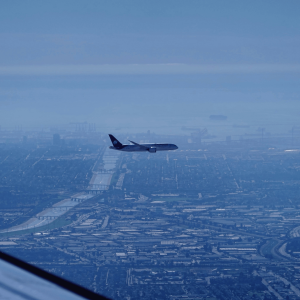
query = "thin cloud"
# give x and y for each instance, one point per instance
(145, 69)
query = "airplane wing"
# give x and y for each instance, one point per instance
(142, 146)
(22, 281)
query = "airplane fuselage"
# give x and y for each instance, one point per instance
(145, 147)
(152, 148)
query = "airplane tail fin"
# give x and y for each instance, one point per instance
(115, 142)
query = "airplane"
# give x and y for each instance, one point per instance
(152, 148)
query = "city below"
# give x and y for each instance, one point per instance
(211, 220)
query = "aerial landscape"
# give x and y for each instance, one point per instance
(150, 150)
(211, 220)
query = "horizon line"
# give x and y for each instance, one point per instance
(146, 69)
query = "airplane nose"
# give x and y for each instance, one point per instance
(175, 147)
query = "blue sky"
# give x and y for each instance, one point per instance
(84, 35)
(110, 32)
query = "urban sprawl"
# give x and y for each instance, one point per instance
(212, 220)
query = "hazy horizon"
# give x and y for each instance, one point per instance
(159, 103)
(150, 66)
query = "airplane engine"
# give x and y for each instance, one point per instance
(152, 150)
